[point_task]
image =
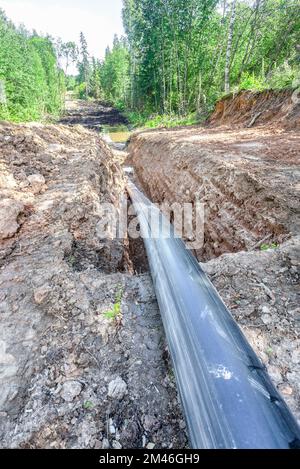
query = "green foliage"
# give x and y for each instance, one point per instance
(67, 52)
(115, 74)
(174, 58)
(30, 78)
(283, 76)
(266, 247)
(165, 120)
(88, 405)
(115, 313)
(279, 78)
(88, 84)
(250, 82)
(80, 91)
(71, 83)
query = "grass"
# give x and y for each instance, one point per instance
(88, 405)
(115, 313)
(140, 120)
(266, 247)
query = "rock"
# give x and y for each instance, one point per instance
(275, 374)
(105, 443)
(9, 211)
(150, 446)
(182, 425)
(116, 445)
(112, 428)
(70, 390)
(296, 356)
(54, 147)
(41, 294)
(265, 310)
(8, 369)
(150, 423)
(117, 388)
(266, 318)
(286, 390)
(98, 444)
(37, 182)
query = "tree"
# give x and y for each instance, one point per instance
(184, 53)
(229, 46)
(30, 77)
(68, 51)
(95, 80)
(84, 64)
(114, 72)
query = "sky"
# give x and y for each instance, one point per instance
(98, 19)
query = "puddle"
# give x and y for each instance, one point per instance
(117, 134)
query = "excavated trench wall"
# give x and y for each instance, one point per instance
(246, 178)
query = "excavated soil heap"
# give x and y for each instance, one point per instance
(70, 375)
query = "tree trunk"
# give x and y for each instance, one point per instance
(229, 47)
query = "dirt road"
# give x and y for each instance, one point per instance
(92, 115)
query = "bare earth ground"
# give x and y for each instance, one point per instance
(69, 376)
(91, 114)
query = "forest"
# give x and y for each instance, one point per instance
(176, 59)
(180, 56)
(31, 83)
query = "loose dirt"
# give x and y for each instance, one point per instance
(93, 115)
(70, 375)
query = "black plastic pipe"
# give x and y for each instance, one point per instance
(228, 398)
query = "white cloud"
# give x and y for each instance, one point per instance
(99, 20)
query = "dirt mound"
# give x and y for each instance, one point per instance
(71, 375)
(249, 108)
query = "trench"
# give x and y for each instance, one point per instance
(81, 257)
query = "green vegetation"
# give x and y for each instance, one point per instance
(115, 73)
(166, 120)
(266, 247)
(180, 56)
(31, 84)
(177, 58)
(115, 313)
(88, 405)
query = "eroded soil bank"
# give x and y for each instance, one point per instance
(244, 166)
(70, 375)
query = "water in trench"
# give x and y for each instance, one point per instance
(117, 133)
